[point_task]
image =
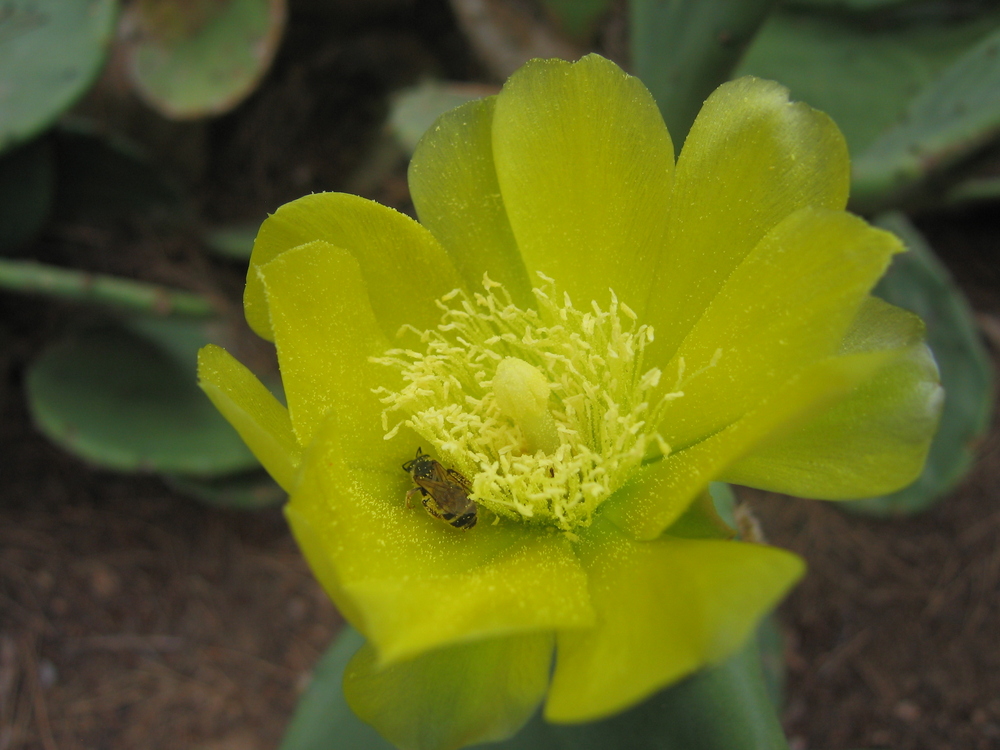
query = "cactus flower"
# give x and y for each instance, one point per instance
(576, 339)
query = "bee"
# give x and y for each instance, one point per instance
(444, 492)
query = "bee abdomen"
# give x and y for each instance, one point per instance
(465, 521)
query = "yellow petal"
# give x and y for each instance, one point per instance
(662, 491)
(785, 306)
(874, 441)
(750, 159)
(664, 609)
(252, 410)
(325, 331)
(586, 192)
(412, 583)
(403, 266)
(454, 188)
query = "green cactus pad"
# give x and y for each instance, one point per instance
(201, 57)
(127, 400)
(919, 282)
(861, 74)
(952, 118)
(50, 52)
(683, 50)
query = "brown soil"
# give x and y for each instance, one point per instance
(893, 635)
(132, 617)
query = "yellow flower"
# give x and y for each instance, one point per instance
(586, 335)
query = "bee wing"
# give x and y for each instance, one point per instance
(437, 488)
(461, 481)
(448, 496)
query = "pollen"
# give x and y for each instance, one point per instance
(546, 410)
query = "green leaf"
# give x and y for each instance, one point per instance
(724, 708)
(50, 52)
(201, 57)
(683, 50)
(247, 491)
(127, 400)
(919, 282)
(952, 118)
(863, 75)
(27, 177)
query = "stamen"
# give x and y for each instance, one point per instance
(546, 411)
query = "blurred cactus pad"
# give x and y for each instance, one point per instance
(50, 53)
(194, 58)
(913, 86)
(123, 397)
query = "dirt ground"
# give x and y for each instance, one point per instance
(131, 617)
(134, 618)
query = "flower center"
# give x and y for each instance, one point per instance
(546, 411)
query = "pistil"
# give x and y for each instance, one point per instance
(522, 394)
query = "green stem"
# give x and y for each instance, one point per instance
(66, 283)
(683, 49)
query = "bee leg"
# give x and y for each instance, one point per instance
(412, 492)
(431, 506)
